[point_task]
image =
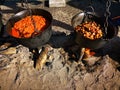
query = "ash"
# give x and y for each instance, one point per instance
(61, 70)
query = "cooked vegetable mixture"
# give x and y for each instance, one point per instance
(90, 30)
(24, 28)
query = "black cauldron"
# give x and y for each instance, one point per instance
(79, 18)
(37, 40)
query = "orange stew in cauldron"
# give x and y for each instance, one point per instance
(24, 28)
(90, 30)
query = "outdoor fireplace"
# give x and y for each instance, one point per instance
(61, 71)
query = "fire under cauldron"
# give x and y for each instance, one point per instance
(37, 40)
(79, 18)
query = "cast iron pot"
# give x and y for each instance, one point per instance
(37, 40)
(79, 18)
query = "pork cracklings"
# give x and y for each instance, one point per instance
(90, 30)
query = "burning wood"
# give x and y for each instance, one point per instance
(11, 50)
(41, 59)
(86, 53)
(5, 46)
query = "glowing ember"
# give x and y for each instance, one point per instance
(88, 53)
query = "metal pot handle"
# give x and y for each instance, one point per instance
(30, 12)
(87, 13)
(89, 7)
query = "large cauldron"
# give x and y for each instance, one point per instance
(98, 43)
(38, 40)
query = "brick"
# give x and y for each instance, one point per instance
(57, 3)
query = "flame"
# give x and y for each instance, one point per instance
(88, 52)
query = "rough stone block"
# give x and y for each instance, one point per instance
(57, 3)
